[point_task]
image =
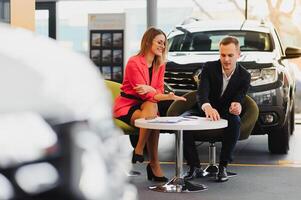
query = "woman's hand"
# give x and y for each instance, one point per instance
(172, 96)
(143, 89)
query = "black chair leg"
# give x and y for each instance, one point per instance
(212, 169)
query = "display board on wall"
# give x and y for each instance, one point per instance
(106, 32)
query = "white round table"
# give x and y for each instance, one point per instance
(179, 124)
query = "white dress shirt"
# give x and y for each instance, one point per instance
(226, 80)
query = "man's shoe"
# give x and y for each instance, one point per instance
(222, 175)
(194, 172)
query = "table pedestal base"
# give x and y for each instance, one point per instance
(179, 185)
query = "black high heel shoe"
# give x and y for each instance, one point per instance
(151, 176)
(137, 157)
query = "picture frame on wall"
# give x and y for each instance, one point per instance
(96, 39)
(117, 40)
(106, 57)
(117, 73)
(95, 56)
(107, 40)
(117, 56)
(106, 72)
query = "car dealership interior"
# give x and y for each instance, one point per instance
(63, 64)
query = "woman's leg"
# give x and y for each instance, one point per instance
(148, 110)
(152, 147)
(148, 137)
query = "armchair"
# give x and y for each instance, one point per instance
(248, 116)
(127, 129)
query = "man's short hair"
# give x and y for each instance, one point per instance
(228, 40)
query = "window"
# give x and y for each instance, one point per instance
(209, 41)
(5, 11)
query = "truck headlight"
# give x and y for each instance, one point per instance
(263, 76)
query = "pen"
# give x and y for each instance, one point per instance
(190, 117)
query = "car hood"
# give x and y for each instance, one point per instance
(55, 82)
(194, 57)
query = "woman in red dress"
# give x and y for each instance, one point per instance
(142, 88)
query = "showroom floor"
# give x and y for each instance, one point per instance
(261, 176)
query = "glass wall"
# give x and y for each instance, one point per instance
(5, 11)
(72, 20)
(42, 22)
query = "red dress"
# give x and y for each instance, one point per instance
(136, 72)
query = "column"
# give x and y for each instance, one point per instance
(151, 13)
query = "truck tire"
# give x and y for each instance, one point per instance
(293, 119)
(279, 139)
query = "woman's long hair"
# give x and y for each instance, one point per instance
(146, 44)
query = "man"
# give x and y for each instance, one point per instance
(223, 86)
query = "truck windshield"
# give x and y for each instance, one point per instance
(209, 41)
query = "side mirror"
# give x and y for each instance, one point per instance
(292, 52)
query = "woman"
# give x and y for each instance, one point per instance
(142, 88)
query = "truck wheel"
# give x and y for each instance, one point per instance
(279, 139)
(293, 119)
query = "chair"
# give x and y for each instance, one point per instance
(127, 129)
(248, 116)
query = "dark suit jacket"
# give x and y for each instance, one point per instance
(210, 87)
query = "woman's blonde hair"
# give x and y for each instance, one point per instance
(146, 44)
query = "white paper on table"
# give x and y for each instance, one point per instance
(171, 119)
(165, 120)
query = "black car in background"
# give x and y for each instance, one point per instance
(262, 54)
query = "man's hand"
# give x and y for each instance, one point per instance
(235, 108)
(211, 113)
(143, 89)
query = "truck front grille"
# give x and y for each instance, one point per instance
(180, 77)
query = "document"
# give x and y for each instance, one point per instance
(165, 120)
(172, 119)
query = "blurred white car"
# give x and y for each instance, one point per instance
(57, 137)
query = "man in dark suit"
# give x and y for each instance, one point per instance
(223, 86)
